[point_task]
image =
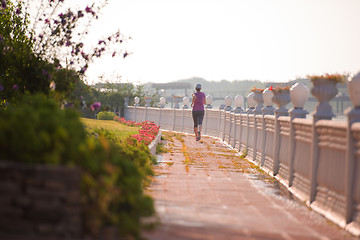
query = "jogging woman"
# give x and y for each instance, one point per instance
(197, 105)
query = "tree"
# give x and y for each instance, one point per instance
(52, 50)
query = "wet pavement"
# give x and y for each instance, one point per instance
(204, 190)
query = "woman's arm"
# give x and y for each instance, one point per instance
(193, 100)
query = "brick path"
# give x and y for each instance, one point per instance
(203, 190)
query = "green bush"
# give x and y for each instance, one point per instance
(105, 115)
(37, 131)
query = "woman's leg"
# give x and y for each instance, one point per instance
(196, 122)
(200, 120)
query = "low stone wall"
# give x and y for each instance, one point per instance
(154, 143)
(39, 202)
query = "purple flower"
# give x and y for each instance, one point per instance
(47, 21)
(114, 53)
(3, 4)
(1, 88)
(80, 14)
(125, 54)
(17, 11)
(95, 106)
(15, 87)
(83, 70)
(88, 9)
(69, 105)
(101, 41)
(68, 43)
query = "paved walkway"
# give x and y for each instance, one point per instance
(203, 190)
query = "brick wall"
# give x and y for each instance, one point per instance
(39, 202)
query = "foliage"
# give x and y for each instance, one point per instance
(257, 90)
(37, 131)
(20, 69)
(279, 89)
(130, 123)
(339, 78)
(113, 131)
(147, 133)
(160, 148)
(48, 47)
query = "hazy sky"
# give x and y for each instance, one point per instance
(267, 40)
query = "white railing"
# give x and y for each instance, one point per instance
(318, 160)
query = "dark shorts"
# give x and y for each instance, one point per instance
(198, 117)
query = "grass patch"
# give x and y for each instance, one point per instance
(160, 148)
(117, 130)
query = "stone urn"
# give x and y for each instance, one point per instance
(354, 90)
(137, 101)
(323, 90)
(228, 102)
(281, 98)
(239, 102)
(258, 97)
(186, 102)
(267, 96)
(162, 102)
(147, 101)
(251, 102)
(177, 100)
(208, 101)
(299, 95)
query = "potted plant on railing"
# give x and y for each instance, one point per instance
(259, 99)
(324, 89)
(147, 101)
(177, 100)
(281, 98)
(354, 89)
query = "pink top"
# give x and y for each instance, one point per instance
(199, 101)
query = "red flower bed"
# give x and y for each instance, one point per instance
(148, 130)
(125, 122)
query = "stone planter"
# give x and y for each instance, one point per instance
(354, 90)
(281, 99)
(186, 102)
(323, 90)
(177, 100)
(147, 101)
(258, 97)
